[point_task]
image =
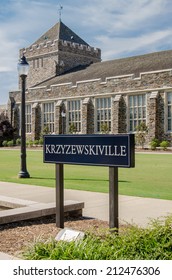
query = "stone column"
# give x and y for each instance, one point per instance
(57, 117)
(152, 116)
(115, 114)
(36, 122)
(84, 116)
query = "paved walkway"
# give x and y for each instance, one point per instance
(135, 210)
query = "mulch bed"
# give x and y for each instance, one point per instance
(16, 236)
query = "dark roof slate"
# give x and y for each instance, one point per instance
(124, 66)
(62, 32)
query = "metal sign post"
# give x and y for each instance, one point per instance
(59, 196)
(113, 197)
(101, 150)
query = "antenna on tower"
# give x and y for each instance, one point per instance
(60, 11)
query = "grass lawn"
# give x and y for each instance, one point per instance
(152, 176)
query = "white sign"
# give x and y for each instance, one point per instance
(69, 235)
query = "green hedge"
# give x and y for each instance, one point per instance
(132, 243)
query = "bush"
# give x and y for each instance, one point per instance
(36, 142)
(5, 143)
(154, 143)
(41, 141)
(132, 243)
(18, 142)
(10, 143)
(104, 128)
(72, 128)
(164, 144)
(30, 143)
(46, 130)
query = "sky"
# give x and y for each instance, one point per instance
(120, 28)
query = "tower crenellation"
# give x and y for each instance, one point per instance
(54, 45)
(54, 57)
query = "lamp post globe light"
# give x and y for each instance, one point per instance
(23, 68)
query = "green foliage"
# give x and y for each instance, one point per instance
(10, 143)
(18, 142)
(45, 130)
(41, 141)
(30, 143)
(154, 143)
(132, 243)
(141, 132)
(164, 144)
(5, 143)
(104, 128)
(72, 128)
(36, 142)
(142, 127)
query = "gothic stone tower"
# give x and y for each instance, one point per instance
(56, 52)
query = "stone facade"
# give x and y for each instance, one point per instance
(48, 58)
(59, 59)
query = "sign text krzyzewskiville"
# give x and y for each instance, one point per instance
(106, 150)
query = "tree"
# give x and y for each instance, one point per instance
(6, 131)
(141, 132)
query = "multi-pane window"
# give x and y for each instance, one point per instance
(48, 116)
(169, 115)
(137, 111)
(38, 63)
(74, 116)
(28, 118)
(103, 114)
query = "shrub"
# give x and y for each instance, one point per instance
(18, 142)
(154, 143)
(72, 128)
(104, 128)
(10, 143)
(132, 243)
(36, 142)
(30, 143)
(164, 144)
(41, 141)
(46, 130)
(5, 143)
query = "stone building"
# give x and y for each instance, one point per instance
(71, 90)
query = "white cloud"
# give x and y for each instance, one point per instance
(28, 17)
(120, 15)
(8, 52)
(118, 47)
(21, 24)
(119, 28)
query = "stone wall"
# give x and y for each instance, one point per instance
(56, 57)
(153, 84)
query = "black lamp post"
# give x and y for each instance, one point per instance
(23, 68)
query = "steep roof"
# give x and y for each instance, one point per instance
(62, 32)
(124, 66)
